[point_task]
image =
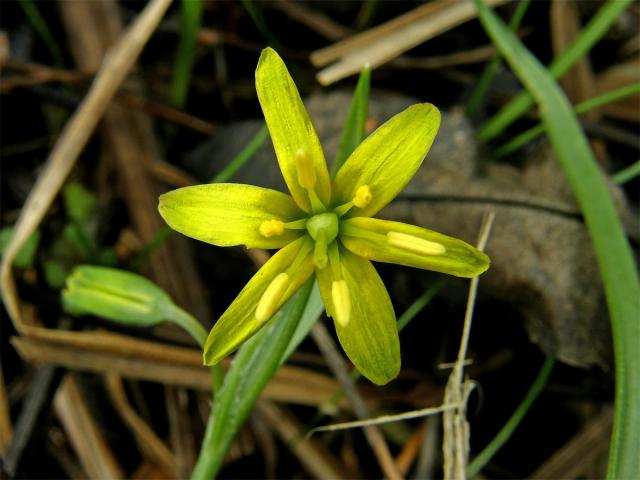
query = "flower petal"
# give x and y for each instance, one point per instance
(387, 159)
(370, 338)
(290, 127)
(227, 214)
(412, 246)
(239, 321)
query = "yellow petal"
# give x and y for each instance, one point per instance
(227, 214)
(291, 131)
(262, 297)
(413, 246)
(385, 162)
(369, 336)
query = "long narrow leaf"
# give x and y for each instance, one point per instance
(354, 128)
(588, 37)
(253, 366)
(191, 18)
(615, 259)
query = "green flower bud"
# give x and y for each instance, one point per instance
(117, 295)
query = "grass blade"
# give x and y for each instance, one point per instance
(583, 107)
(490, 71)
(582, 44)
(629, 173)
(615, 259)
(40, 25)
(191, 18)
(253, 366)
(242, 157)
(507, 430)
(354, 128)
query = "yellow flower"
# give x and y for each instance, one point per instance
(322, 227)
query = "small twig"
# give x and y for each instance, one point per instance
(456, 428)
(423, 412)
(373, 434)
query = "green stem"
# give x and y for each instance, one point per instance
(589, 35)
(194, 328)
(190, 25)
(581, 108)
(507, 430)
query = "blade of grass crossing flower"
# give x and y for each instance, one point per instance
(191, 11)
(40, 25)
(251, 369)
(490, 71)
(588, 37)
(615, 259)
(584, 107)
(507, 430)
(354, 128)
(312, 311)
(629, 173)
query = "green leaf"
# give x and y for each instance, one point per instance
(354, 128)
(290, 128)
(370, 338)
(253, 366)
(27, 253)
(240, 321)
(227, 214)
(79, 203)
(387, 159)
(369, 238)
(615, 259)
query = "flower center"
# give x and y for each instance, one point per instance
(323, 228)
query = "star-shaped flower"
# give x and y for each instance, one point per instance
(324, 227)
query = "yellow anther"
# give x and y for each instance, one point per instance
(304, 168)
(271, 228)
(270, 300)
(415, 244)
(363, 196)
(341, 302)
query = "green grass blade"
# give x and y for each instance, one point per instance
(242, 157)
(492, 68)
(584, 107)
(258, 19)
(253, 366)
(40, 25)
(191, 19)
(354, 128)
(588, 37)
(629, 173)
(615, 259)
(507, 430)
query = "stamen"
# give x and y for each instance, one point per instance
(271, 297)
(415, 244)
(306, 171)
(271, 228)
(341, 302)
(363, 196)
